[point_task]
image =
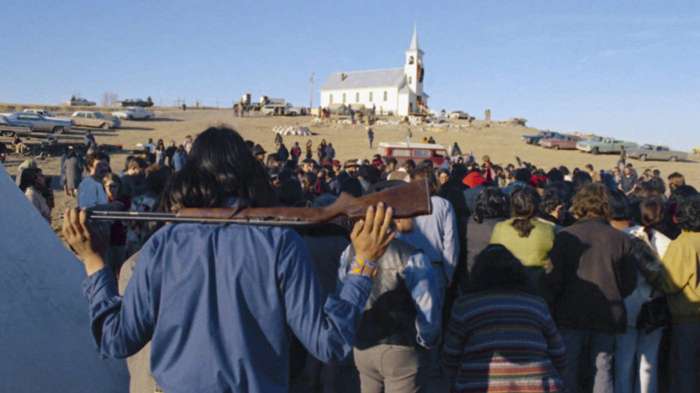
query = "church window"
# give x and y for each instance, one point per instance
(410, 80)
(330, 98)
(386, 95)
(357, 97)
(411, 60)
(371, 96)
(343, 98)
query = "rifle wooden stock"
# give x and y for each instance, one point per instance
(410, 200)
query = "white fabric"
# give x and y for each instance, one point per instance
(45, 340)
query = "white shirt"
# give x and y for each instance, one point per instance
(91, 193)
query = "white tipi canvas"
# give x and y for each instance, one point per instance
(45, 339)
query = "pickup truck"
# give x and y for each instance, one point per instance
(604, 145)
(655, 152)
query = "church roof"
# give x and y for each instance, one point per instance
(393, 77)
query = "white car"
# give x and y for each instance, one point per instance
(134, 113)
(42, 112)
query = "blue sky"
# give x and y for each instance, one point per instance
(624, 68)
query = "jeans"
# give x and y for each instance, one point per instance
(685, 350)
(391, 369)
(637, 361)
(600, 348)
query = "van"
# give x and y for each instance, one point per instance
(417, 152)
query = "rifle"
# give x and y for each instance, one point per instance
(409, 200)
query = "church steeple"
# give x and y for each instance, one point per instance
(414, 40)
(413, 67)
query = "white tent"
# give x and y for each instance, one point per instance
(45, 339)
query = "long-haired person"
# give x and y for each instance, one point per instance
(33, 184)
(491, 208)
(218, 302)
(526, 236)
(637, 350)
(501, 337)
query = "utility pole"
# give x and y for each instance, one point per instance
(311, 91)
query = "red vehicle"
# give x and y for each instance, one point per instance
(414, 151)
(562, 142)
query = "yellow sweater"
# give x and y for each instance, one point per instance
(532, 251)
(680, 281)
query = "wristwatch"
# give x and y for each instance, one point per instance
(363, 267)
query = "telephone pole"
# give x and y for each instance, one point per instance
(311, 91)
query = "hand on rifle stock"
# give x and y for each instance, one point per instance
(371, 236)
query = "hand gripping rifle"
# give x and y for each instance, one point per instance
(410, 200)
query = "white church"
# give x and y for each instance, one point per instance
(397, 91)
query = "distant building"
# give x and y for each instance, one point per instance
(396, 90)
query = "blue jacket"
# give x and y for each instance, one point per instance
(218, 303)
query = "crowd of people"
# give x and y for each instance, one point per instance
(522, 279)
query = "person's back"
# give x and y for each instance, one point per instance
(501, 337)
(532, 250)
(192, 295)
(503, 330)
(402, 318)
(184, 277)
(593, 273)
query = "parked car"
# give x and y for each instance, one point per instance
(134, 113)
(413, 151)
(561, 142)
(656, 152)
(95, 120)
(11, 131)
(535, 139)
(34, 122)
(42, 112)
(604, 145)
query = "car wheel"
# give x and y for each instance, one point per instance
(673, 159)
(105, 126)
(57, 130)
(556, 147)
(643, 157)
(595, 150)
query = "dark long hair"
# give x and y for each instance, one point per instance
(524, 203)
(220, 167)
(28, 178)
(496, 268)
(490, 203)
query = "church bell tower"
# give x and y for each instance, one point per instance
(413, 67)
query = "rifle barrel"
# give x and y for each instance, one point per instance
(99, 215)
